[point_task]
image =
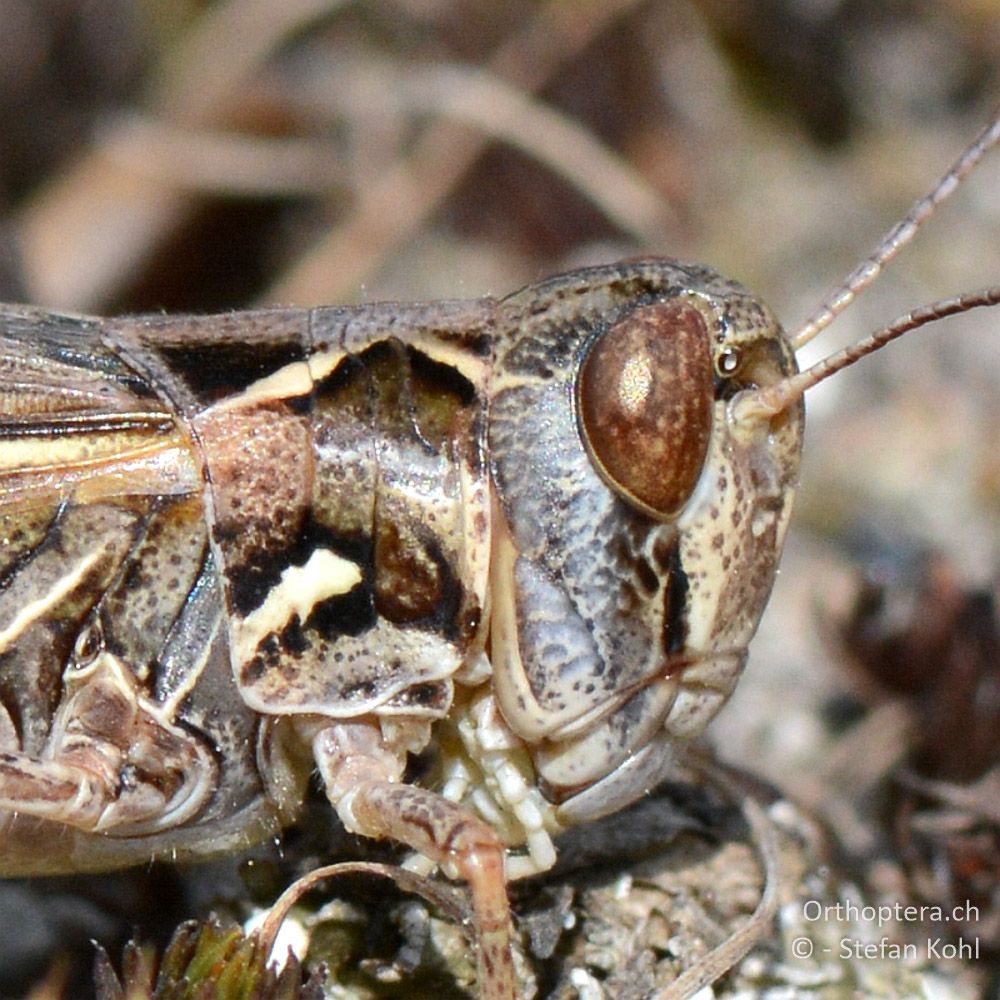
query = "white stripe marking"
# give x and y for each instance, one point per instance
(39, 608)
(301, 588)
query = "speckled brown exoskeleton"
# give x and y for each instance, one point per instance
(532, 536)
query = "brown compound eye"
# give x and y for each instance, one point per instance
(644, 398)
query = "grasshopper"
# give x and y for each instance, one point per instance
(530, 536)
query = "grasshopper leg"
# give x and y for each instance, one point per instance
(363, 782)
(78, 790)
(65, 793)
(112, 762)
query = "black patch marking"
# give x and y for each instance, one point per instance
(348, 370)
(675, 595)
(213, 370)
(440, 377)
(345, 614)
(251, 582)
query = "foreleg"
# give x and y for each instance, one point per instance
(363, 782)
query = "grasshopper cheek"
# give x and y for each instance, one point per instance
(644, 404)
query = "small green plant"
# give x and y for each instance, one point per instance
(204, 961)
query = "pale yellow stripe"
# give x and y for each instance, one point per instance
(160, 469)
(289, 382)
(322, 363)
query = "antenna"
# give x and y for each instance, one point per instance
(758, 404)
(762, 403)
(897, 237)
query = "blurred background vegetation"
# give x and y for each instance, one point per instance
(183, 155)
(191, 155)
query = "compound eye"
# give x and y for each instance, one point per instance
(644, 399)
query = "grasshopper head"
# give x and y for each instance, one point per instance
(636, 534)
